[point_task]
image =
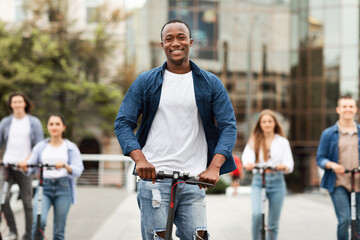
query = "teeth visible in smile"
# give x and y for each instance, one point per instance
(176, 51)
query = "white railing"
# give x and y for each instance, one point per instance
(113, 169)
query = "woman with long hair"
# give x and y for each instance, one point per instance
(59, 183)
(268, 146)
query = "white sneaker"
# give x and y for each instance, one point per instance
(11, 236)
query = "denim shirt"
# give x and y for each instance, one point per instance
(74, 162)
(212, 100)
(328, 150)
(36, 131)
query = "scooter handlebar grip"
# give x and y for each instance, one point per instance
(196, 182)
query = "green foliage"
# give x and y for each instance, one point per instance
(59, 69)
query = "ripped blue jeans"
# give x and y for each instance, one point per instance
(190, 209)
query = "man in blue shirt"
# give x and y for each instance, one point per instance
(187, 124)
(339, 150)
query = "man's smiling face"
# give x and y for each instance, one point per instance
(176, 43)
(346, 109)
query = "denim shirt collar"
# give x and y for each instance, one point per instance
(335, 128)
(342, 131)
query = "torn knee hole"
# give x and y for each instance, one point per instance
(201, 234)
(161, 234)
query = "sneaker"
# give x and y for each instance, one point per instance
(12, 236)
(26, 237)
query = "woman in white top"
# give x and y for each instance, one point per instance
(59, 183)
(268, 146)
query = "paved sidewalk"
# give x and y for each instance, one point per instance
(304, 217)
(110, 213)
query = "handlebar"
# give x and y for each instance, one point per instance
(265, 168)
(176, 175)
(39, 165)
(354, 170)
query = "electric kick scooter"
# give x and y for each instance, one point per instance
(175, 176)
(354, 171)
(41, 167)
(262, 170)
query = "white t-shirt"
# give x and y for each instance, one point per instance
(51, 155)
(18, 145)
(176, 139)
(280, 153)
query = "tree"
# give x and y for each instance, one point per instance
(60, 69)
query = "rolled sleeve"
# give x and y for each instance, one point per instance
(223, 150)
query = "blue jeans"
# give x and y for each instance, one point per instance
(275, 193)
(190, 209)
(56, 193)
(24, 183)
(341, 200)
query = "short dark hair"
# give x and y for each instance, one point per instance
(175, 21)
(59, 116)
(346, 96)
(29, 105)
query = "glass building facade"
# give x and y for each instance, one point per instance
(324, 65)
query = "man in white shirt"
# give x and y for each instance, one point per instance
(179, 103)
(19, 132)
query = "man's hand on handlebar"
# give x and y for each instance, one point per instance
(209, 176)
(337, 168)
(23, 166)
(212, 174)
(145, 170)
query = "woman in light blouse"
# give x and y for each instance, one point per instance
(59, 188)
(268, 146)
